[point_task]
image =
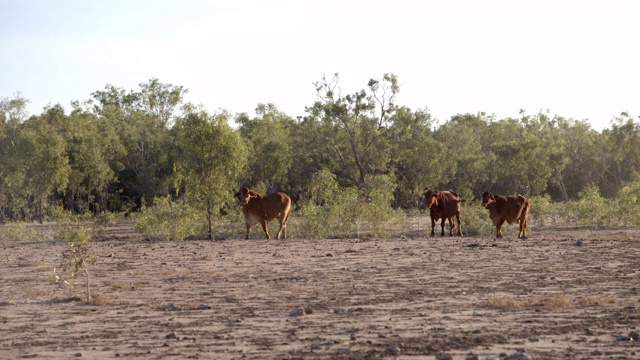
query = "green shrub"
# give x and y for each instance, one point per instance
(18, 231)
(591, 209)
(475, 220)
(336, 217)
(375, 212)
(541, 208)
(75, 234)
(628, 204)
(328, 210)
(169, 220)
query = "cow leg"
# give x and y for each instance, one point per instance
(283, 226)
(265, 228)
(248, 231)
(442, 221)
(522, 234)
(433, 226)
(459, 224)
(499, 228)
(452, 225)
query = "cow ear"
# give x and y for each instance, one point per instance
(236, 194)
(244, 190)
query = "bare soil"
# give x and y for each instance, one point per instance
(560, 294)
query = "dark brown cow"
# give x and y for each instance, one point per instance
(262, 208)
(507, 208)
(443, 205)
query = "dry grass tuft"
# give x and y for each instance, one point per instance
(100, 300)
(552, 302)
(502, 302)
(538, 267)
(596, 300)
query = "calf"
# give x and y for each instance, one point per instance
(443, 205)
(507, 208)
(262, 208)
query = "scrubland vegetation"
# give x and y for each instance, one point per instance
(353, 164)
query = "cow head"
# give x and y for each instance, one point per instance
(431, 198)
(487, 198)
(244, 195)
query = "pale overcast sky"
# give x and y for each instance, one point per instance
(578, 59)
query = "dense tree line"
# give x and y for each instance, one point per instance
(120, 150)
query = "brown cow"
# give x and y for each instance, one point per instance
(443, 205)
(507, 208)
(262, 208)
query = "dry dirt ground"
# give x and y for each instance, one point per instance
(560, 294)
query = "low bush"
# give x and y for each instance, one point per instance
(475, 220)
(18, 231)
(169, 220)
(591, 209)
(328, 210)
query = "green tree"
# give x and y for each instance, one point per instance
(622, 144)
(468, 156)
(581, 151)
(353, 127)
(13, 112)
(90, 152)
(160, 100)
(546, 155)
(40, 162)
(419, 160)
(212, 159)
(271, 153)
(141, 120)
(528, 152)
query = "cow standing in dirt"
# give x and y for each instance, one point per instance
(443, 205)
(507, 208)
(262, 208)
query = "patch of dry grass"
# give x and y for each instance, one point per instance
(36, 293)
(100, 300)
(552, 302)
(596, 301)
(538, 267)
(503, 302)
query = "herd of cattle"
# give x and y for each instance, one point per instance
(443, 205)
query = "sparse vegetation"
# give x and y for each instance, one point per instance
(475, 221)
(19, 231)
(170, 220)
(596, 300)
(503, 302)
(78, 256)
(554, 302)
(128, 150)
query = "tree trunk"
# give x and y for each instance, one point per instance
(562, 186)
